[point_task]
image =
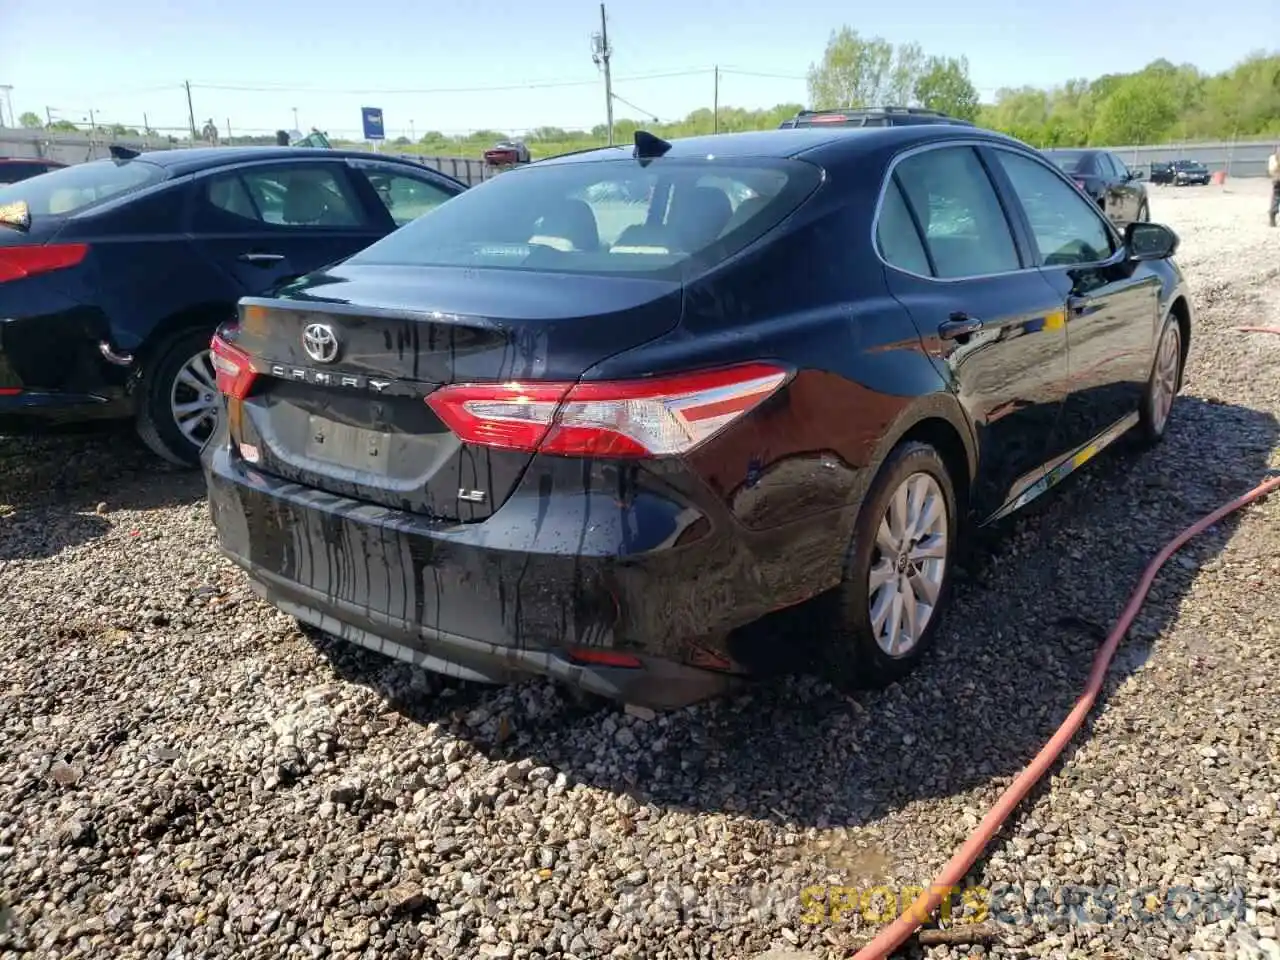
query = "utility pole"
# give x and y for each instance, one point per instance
(601, 52)
(715, 105)
(295, 120)
(228, 130)
(48, 116)
(146, 130)
(191, 111)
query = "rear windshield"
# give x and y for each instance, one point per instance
(11, 171)
(71, 189)
(1072, 161)
(604, 217)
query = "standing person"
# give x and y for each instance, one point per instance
(1273, 171)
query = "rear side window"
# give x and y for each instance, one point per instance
(296, 196)
(605, 217)
(965, 229)
(69, 190)
(897, 235)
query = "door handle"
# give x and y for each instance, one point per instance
(261, 259)
(959, 327)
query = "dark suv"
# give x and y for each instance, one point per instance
(870, 117)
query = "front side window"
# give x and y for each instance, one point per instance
(406, 198)
(604, 217)
(955, 203)
(1067, 228)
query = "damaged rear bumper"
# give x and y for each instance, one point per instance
(511, 597)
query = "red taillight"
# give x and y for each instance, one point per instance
(604, 658)
(233, 369)
(830, 118)
(17, 263)
(622, 418)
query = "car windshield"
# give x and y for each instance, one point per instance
(1187, 164)
(1072, 161)
(660, 219)
(69, 190)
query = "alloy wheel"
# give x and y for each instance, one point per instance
(194, 399)
(1164, 379)
(909, 564)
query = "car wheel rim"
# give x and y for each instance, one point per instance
(908, 564)
(1164, 386)
(193, 399)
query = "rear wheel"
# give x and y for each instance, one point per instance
(1144, 212)
(179, 403)
(897, 577)
(1162, 385)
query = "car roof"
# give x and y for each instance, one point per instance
(193, 159)
(814, 143)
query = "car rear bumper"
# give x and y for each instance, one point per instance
(549, 585)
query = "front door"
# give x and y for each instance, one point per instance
(265, 223)
(1111, 304)
(989, 319)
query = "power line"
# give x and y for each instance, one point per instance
(532, 85)
(756, 73)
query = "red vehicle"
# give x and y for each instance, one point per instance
(506, 153)
(13, 169)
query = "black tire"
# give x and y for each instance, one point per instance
(853, 657)
(1151, 426)
(157, 425)
(1144, 212)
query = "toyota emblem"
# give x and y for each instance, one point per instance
(320, 342)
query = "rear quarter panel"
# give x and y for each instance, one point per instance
(145, 269)
(811, 295)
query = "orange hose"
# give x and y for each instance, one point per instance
(896, 934)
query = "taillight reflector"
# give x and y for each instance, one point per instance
(604, 658)
(655, 417)
(16, 263)
(829, 118)
(232, 367)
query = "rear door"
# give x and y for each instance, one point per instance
(1111, 305)
(262, 224)
(986, 314)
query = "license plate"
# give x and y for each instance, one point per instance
(347, 446)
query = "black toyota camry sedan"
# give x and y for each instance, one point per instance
(593, 416)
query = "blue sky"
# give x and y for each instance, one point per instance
(424, 63)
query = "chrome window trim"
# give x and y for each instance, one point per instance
(979, 143)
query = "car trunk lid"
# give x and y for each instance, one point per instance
(346, 358)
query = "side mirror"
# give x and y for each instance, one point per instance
(1150, 241)
(1135, 174)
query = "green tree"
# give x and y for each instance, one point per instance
(1142, 109)
(854, 71)
(30, 121)
(944, 85)
(63, 126)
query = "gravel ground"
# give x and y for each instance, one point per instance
(185, 773)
